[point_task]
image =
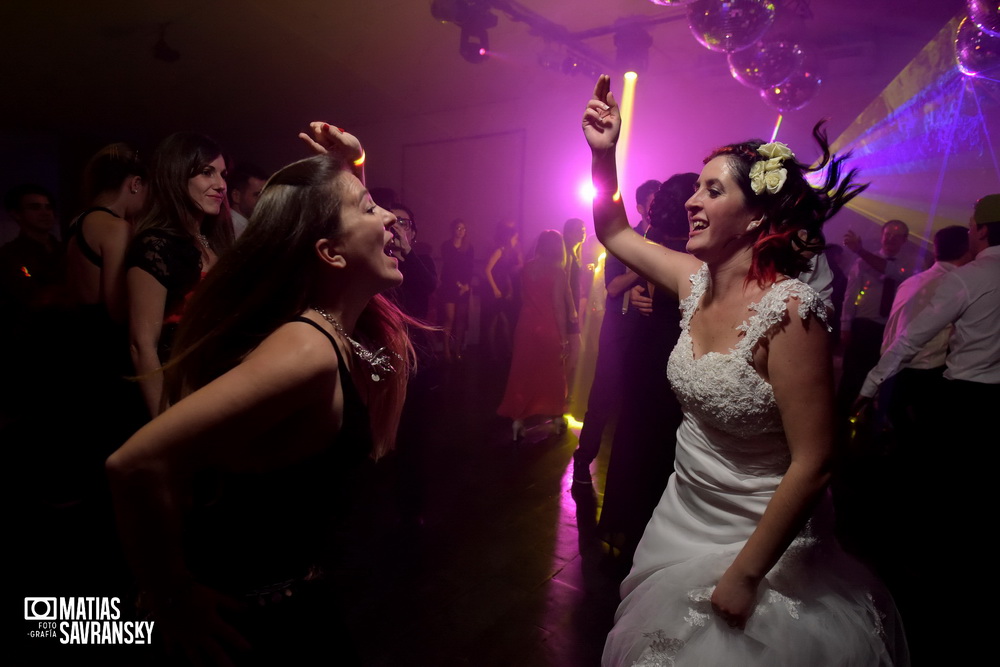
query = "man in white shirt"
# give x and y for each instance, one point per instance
(957, 480)
(916, 390)
(871, 287)
(969, 299)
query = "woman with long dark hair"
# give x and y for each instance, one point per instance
(739, 564)
(289, 370)
(642, 452)
(182, 234)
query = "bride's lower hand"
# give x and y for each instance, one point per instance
(734, 598)
(602, 121)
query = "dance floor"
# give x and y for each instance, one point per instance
(497, 562)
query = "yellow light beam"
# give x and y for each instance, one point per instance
(627, 105)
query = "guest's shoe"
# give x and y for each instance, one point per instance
(559, 424)
(518, 429)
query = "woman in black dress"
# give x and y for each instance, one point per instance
(456, 285)
(289, 369)
(184, 231)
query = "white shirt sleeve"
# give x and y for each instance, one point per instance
(949, 301)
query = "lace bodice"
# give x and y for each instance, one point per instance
(724, 391)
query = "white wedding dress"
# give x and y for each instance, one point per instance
(818, 606)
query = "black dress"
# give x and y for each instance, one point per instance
(175, 262)
(266, 539)
(456, 267)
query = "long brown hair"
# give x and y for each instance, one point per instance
(177, 159)
(267, 279)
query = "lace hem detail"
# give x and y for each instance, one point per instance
(661, 652)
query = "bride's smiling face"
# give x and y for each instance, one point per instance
(718, 213)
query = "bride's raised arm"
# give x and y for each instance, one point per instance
(602, 127)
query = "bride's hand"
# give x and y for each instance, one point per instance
(329, 139)
(734, 598)
(602, 121)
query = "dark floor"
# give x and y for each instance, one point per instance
(505, 567)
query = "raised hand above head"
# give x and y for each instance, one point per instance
(602, 120)
(852, 241)
(328, 138)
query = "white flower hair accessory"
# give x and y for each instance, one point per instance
(770, 174)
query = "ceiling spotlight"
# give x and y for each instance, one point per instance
(632, 42)
(573, 64)
(474, 45)
(474, 18)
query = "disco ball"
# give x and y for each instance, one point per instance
(767, 63)
(986, 15)
(977, 52)
(797, 90)
(730, 25)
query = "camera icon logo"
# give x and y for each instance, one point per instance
(40, 609)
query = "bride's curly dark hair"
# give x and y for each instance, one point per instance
(791, 230)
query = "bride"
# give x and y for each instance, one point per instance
(738, 564)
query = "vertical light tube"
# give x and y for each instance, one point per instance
(777, 124)
(627, 104)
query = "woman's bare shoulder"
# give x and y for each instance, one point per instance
(297, 352)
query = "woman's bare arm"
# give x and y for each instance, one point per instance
(602, 126)
(494, 258)
(147, 300)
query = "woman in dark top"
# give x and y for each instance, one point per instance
(115, 187)
(456, 283)
(501, 298)
(182, 234)
(642, 452)
(288, 368)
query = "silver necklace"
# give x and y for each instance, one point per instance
(379, 360)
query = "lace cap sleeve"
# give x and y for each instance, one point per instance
(172, 262)
(771, 309)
